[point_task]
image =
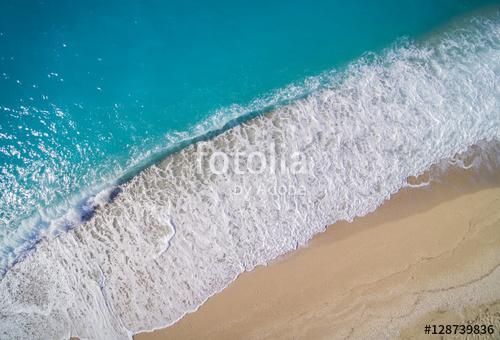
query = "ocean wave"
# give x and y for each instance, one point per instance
(184, 228)
(25, 223)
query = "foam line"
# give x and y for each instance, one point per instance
(384, 119)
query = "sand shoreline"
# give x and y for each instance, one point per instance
(427, 249)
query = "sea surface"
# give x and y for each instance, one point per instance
(115, 215)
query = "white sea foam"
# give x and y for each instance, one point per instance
(175, 236)
(53, 218)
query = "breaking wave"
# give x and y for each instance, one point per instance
(178, 232)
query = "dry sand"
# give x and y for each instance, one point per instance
(428, 255)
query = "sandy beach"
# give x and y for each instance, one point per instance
(249, 169)
(428, 255)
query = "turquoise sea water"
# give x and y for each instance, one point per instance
(91, 90)
(93, 93)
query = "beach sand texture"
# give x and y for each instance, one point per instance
(428, 255)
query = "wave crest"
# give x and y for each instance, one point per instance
(175, 236)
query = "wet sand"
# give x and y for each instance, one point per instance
(428, 254)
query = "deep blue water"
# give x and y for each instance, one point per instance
(88, 89)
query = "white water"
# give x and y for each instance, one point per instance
(174, 236)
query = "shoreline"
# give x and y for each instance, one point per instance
(122, 271)
(190, 235)
(397, 247)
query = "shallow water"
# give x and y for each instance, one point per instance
(183, 229)
(90, 92)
